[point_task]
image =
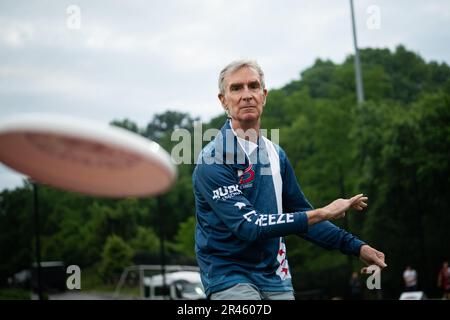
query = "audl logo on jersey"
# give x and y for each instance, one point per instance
(226, 192)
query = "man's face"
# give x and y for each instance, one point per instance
(244, 96)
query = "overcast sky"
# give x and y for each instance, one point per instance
(106, 60)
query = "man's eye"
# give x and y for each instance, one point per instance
(254, 85)
(235, 88)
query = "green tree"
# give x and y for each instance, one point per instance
(145, 241)
(16, 231)
(127, 124)
(404, 155)
(185, 238)
(116, 255)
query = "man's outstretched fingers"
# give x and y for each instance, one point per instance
(361, 205)
(380, 263)
(356, 198)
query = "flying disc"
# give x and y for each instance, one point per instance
(85, 156)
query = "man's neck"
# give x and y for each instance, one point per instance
(246, 130)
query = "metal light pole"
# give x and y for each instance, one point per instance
(358, 77)
(38, 240)
(162, 246)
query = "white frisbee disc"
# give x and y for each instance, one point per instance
(85, 156)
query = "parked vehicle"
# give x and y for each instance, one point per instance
(180, 285)
(180, 282)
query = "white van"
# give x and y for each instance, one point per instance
(181, 282)
(180, 285)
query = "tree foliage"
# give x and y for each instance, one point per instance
(116, 255)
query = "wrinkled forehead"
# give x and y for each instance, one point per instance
(244, 74)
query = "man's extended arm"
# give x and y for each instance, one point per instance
(217, 185)
(248, 224)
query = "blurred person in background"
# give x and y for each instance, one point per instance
(444, 280)
(410, 279)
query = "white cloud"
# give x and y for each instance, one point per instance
(16, 34)
(10, 179)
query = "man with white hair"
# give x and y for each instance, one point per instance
(248, 198)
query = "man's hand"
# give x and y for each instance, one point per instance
(337, 208)
(371, 256)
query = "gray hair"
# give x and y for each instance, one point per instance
(236, 65)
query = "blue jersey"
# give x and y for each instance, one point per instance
(245, 205)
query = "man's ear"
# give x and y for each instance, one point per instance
(222, 100)
(265, 92)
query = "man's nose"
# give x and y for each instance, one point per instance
(246, 95)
